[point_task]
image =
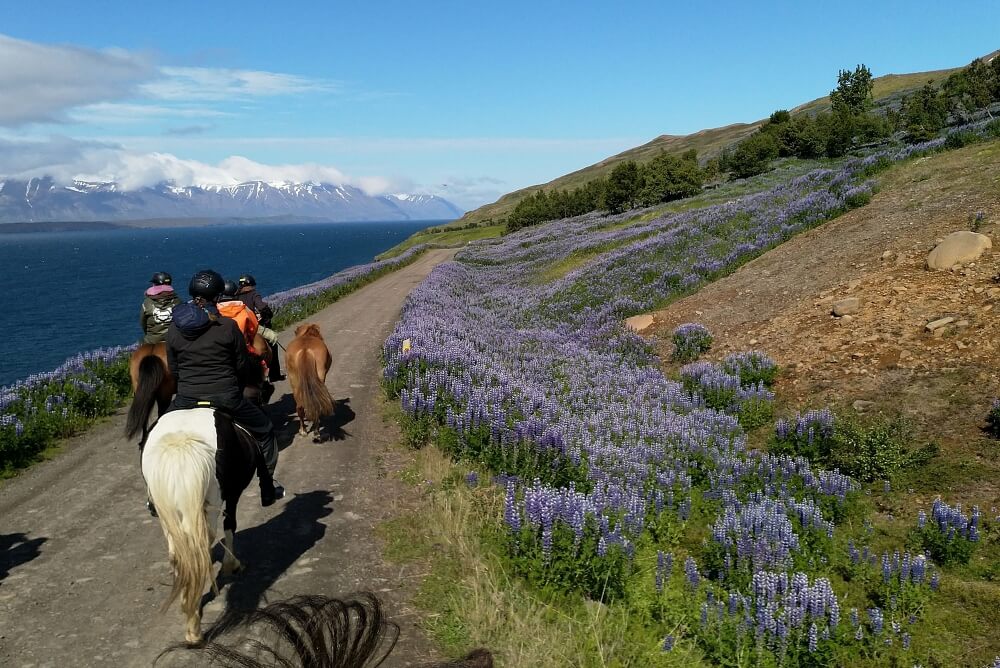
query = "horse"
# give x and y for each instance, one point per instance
(307, 361)
(258, 390)
(193, 461)
(151, 382)
(311, 631)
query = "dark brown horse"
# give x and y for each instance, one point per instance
(307, 361)
(151, 383)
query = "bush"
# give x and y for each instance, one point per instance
(960, 139)
(870, 452)
(950, 537)
(753, 367)
(690, 341)
(993, 419)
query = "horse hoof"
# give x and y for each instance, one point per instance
(193, 640)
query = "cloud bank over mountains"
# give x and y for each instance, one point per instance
(53, 85)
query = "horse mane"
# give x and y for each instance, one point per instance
(308, 329)
(309, 631)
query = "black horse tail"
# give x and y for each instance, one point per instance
(311, 630)
(152, 373)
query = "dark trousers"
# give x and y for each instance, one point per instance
(247, 415)
(274, 367)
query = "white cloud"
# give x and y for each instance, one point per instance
(39, 83)
(67, 159)
(207, 84)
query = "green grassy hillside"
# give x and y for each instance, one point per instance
(888, 89)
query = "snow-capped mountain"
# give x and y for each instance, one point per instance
(42, 199)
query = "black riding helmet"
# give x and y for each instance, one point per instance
(248, 279)
(229, 289)
(207, 284)
(161, 278)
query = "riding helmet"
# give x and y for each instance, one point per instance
(206, 284)
(229, 289)
(161, 278)
(247, 279)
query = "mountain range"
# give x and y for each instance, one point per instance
(44, 200)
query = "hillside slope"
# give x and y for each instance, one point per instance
(710, 142)
(781, 302)
(883, 360)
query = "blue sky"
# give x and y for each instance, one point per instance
(462, 99)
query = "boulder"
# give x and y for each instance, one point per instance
(846, 306)
(639, 323)
(939, 323)
(958, 248)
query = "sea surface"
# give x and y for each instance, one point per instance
(66, 292)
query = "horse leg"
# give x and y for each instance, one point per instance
(301, 412)
(230, 564)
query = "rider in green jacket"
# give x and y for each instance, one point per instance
(157, 308)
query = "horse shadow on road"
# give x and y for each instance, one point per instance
(331, 428)
(267, 551)
(17, 549)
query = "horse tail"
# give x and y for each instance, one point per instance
(179, 468)
(151, 375)
(311, 392)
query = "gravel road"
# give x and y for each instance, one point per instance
(83, 568)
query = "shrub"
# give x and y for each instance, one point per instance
(960, 139)
(690, 341)
(752, 367)
(870, 452)
(993, 419)
(809, 435)
(950, 537)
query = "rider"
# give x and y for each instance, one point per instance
(248, 295)
(157, 307)
(231, 307)
(208, 357)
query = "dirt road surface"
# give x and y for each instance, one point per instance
(83, 568)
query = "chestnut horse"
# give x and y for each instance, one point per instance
(151, 383)
(307, 360)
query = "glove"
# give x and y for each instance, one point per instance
(269, 335)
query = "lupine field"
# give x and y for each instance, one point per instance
(37, 411)
(630, 487)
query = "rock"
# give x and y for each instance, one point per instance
(898, 288)
(639, 323)
(861, 405)
(979, 290)
(939, 323)
(886, 255)
(853, 284)
(938, 333)
(962, 323)
(958, 248)
(753, 342)
(846, 306)
(993, 293)
(846, 318)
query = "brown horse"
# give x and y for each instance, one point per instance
(151, 382)
(257, 390)
(307, 360)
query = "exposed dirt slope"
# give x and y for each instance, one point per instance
(83, 568)
(944, 383)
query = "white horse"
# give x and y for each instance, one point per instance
(193, 461)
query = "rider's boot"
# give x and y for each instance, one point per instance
(270, 490)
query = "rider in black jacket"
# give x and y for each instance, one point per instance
(207, 355)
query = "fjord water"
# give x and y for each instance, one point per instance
(66, 292)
